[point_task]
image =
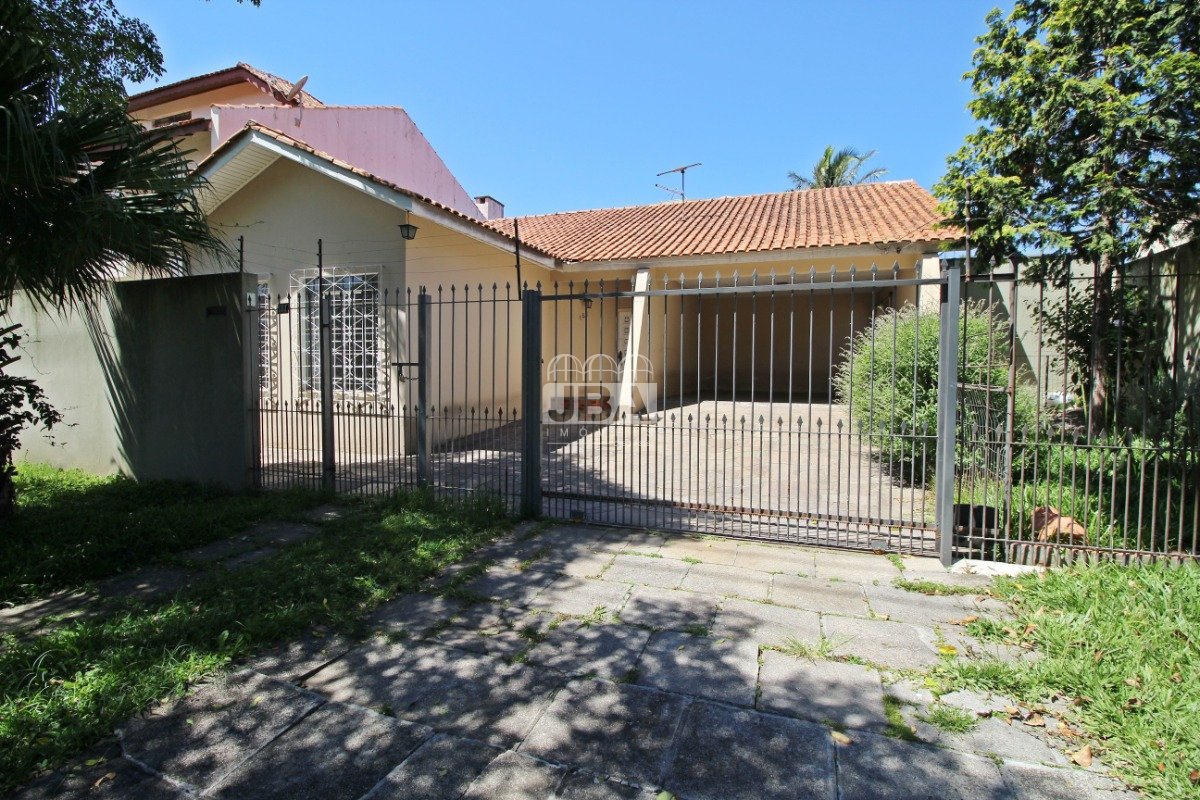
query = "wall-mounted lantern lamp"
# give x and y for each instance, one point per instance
(407, 229)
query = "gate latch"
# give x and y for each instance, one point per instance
(400, 365)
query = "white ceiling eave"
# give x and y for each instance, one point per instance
(229, 172)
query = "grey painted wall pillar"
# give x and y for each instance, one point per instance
(158, 380)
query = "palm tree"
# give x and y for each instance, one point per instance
(838, 169)
(82, 194)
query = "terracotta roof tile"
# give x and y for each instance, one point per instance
(874, 213)
(281, 86)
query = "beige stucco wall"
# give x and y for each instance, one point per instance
(199, 104)
(289, 207)
(476, 329)
(476, 316)
(280, 218)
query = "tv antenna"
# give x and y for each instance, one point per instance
(681, 191)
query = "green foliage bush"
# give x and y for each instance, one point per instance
(888, 380)
(23, 405)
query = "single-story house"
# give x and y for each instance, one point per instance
(285, 170)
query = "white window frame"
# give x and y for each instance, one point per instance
(356, 303)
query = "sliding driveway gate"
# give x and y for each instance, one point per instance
(793, 408)
(713, 405)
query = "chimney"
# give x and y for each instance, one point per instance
(490, 206)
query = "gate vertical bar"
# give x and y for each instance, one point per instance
(1010, 427)
(424, 334)
(252, 383)
(328, 465)
(946, 413)
(531, 403)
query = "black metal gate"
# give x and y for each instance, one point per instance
(371, 390)
(745, 407)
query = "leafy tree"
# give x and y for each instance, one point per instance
(840, 168)
(1086, 149)
(96, 49)
(83, 191)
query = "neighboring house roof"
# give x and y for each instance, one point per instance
(868, 214)
(221, 187)
(241, 72)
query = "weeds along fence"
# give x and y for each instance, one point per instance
(1084, 440)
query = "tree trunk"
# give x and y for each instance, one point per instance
(8, 492)
(1101, 320)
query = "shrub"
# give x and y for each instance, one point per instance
(888, 380)
(23, 405)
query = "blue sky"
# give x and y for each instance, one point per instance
(554, 106)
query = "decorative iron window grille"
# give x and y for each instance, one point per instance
(266, 339)
(354, 332)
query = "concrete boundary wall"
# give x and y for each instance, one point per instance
(151, 380)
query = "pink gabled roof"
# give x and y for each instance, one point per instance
(382, 140)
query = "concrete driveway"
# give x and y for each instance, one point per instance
(598, 664)
(784, 457)
(792, 472)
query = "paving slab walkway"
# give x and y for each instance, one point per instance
(600, 664)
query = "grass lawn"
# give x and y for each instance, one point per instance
(72, 528)
(64, 690)
(1122, 646)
